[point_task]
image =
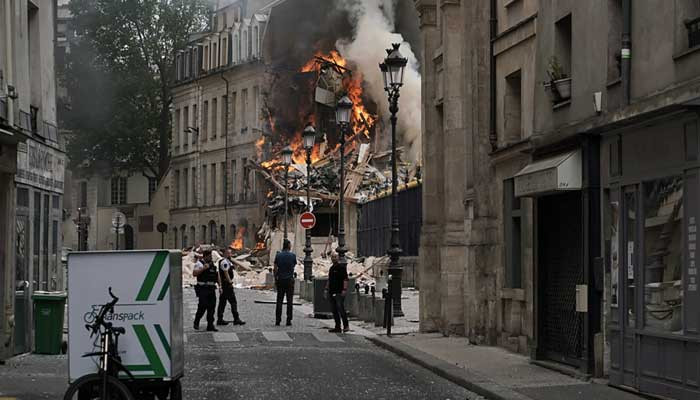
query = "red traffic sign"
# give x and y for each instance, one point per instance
(307, 220)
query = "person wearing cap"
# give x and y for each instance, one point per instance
(285, 261)
(336, 289)
(227, 294)
(207, 278)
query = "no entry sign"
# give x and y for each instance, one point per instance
(307, 220)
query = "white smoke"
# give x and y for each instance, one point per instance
(373, 22)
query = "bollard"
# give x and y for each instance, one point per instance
(352, 303)
(388, 316)
(379, 311)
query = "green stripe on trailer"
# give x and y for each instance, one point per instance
(149, 349)
(138, 368)
(164, 290)
(163, 339)
(152, 276)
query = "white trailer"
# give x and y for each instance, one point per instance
(149, 286)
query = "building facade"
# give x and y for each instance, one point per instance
(33, 197)
(217, 120)
(577, 126)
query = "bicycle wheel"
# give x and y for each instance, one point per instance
(176, 390)
(89, 387)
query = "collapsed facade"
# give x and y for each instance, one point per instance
(571, 236)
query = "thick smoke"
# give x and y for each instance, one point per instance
(373, 23)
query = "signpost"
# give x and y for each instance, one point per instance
(307, 220)
(118, 222)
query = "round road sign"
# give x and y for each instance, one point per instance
(118, 219)
(307, 220)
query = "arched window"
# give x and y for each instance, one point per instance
(193, 236)
(183, 237)
(222, 238)
(204, 234)
(174, 238)
(233, 233)
(212, 232)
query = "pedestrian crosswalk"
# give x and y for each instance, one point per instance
(277, 336)
(265, 337)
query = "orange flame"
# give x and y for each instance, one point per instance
(237, 244)
(260, 246)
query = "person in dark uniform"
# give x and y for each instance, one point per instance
(337, 287)
(227, 292)
(285, 261)
(207, 278)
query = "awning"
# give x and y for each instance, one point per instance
(560, 173)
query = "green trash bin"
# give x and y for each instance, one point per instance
(49, 308)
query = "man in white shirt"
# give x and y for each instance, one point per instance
(227, 292)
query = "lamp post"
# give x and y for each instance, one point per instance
(392, 71)
(342, 118)
(287, 161)
(309, 140)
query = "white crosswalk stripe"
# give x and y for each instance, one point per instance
(327, 337)
(225, 337)
(277, 336)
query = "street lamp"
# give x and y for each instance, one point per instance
(287, 161)
(392, 71)
(309, 140)
(342, 118)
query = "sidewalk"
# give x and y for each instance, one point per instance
(493, 372)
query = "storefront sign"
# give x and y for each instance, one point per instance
(40, 166)
(554, 174)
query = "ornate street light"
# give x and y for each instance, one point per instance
(287, 161)
(342, 118)
(309, 141)
(393, 71)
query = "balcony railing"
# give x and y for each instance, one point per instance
(3, 110)
(25, 121)
(693, 27)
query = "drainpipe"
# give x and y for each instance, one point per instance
(8, 63)
(493, 138)
(626, 51)
(225, 171)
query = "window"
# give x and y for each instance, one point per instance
(630, 249)
(256, 42)
(236, 48)
(205, 121)
(195, 122)
(55, 202)
(193, 236)
(222, 236)
(688, 25)
(206, 57)
(562, 44)
(83, 193)
(174, 238)
(250, 42)
(118, 190)
(224, 107)
(176, 184)
(205, 198)
(152, 186)
(256, 98)
(512, 108)
(22, 197)
(214, 117)
(185, 187)
(224, 180)
(663, 260)
(244, 111)
(212, 232)
(244, 165)
(614, 40)
(244, 54)
(215, 56)
(195, 199)
(185, 127)
(513, 224)
(234, 98)
(213, 184)
(204, 234)
(176, 130)
(183, 237)
(234, 180)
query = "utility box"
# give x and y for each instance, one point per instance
(149, 287)
(322, 306)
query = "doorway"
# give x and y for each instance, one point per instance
(560, 269)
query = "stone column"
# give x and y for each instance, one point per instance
(454, 158)
(429, 262)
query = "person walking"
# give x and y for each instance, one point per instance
(285, 261)
(207, 278)
(227, 294)
(337, 288)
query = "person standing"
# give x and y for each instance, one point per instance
(285, 261)
(337, 287)
(207, 278)
(227, 292)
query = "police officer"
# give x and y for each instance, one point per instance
(227, 292)
(207, 278)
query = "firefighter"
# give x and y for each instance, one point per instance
(207, 279)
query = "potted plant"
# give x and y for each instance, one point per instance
(559, 82)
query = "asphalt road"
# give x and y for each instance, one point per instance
(261, 361)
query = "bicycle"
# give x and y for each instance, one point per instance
(105, 384)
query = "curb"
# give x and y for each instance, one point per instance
(474, 382)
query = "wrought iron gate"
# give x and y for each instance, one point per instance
(560, 267)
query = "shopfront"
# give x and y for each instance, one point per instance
(651, 199)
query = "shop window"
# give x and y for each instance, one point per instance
(630, 249)
(45, 244)
(663, 243)
(22, 197)
(612, 238)
(36, 239)
(118, 190)
(512, 108)
(615, 154)
(513, 239)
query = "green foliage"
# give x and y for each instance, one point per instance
(118, 75)
(555, 70)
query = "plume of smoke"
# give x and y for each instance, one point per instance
(373, 22)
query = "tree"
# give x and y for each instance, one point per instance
(119, 75)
